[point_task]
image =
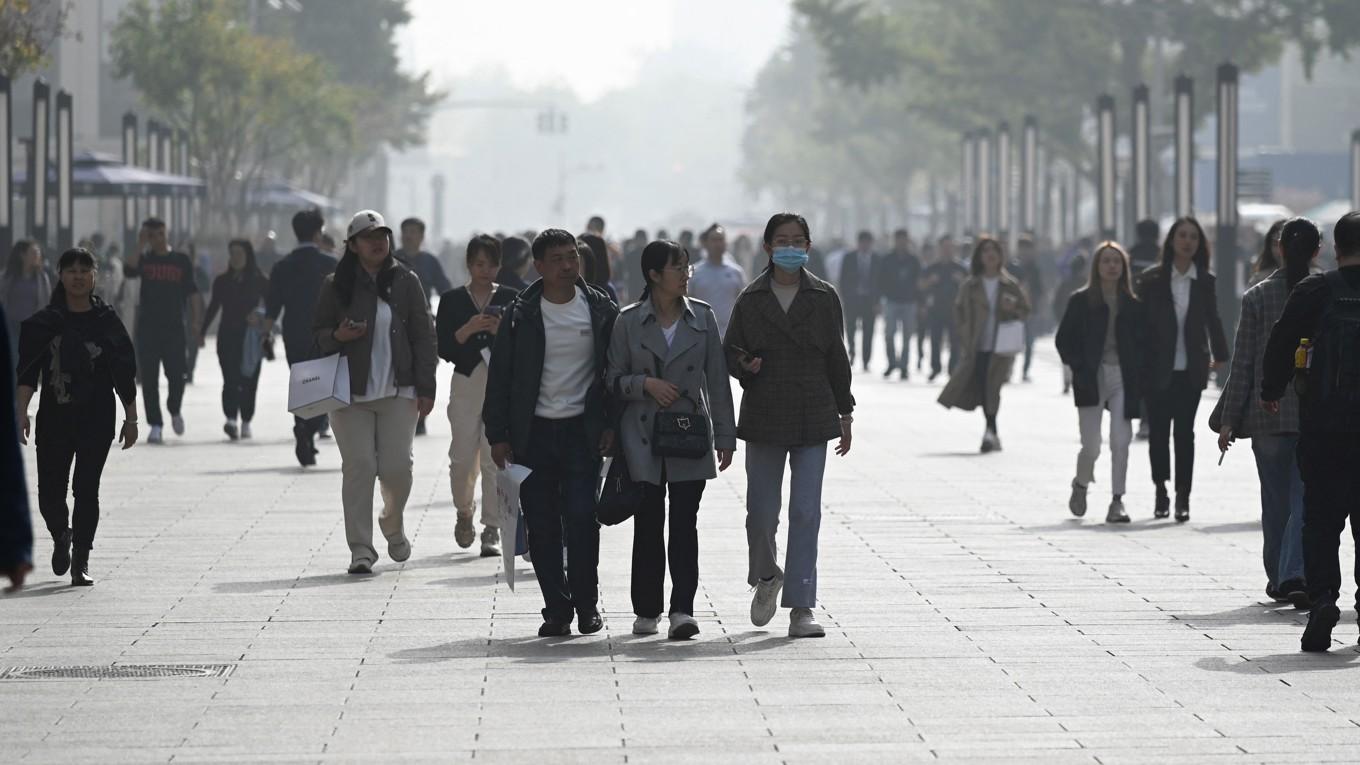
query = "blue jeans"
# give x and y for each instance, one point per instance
(764, 483)
(898, 317)
(557, 498)
(1281, 506)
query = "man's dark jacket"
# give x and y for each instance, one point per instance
(516, 372)
(294, 284)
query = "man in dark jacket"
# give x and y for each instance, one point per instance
(424, 264)
(1145, 253)
(547, 409)
(294, 285)
(860, 293)
(898, 276)
(16, 530)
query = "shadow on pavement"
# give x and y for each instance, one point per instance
(273, 470)
(43, 590)
(342, 578)
(1260, 613)
(532, 649)
(935, 455)
(1096, 523)
(1230, 528)
(1346, 658)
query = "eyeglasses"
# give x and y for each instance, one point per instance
(686, 270)
(799, 242)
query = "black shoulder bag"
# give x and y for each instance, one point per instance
(678, 434)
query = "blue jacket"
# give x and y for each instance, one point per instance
(16, 532)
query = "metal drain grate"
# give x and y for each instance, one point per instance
(117, 672)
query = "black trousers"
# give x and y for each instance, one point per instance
(859, 317)
(558, 500)
(941, 327)
(154, 350)
(1177, 405)
(56, 452)
(651, 552)
(238, 390)
(298, 349)
(1331, 494)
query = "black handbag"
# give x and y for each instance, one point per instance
(620, 495)
(681, 434)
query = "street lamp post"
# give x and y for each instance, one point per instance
(984, 181)
(153, 137)
(966, 173)
(37, 163)
(6, 169)
(65, 235)
(1105, 157)
(1225, 244)
(1355, 170)
(1003, 186)
(1029, 175)
(1140, 207)
(1185, 146)
(129, 201)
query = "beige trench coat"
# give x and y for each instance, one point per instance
(970, 317)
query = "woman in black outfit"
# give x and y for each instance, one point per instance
(238, 294)
(80, 351)
(1185, 340)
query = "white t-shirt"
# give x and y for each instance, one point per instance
(669, 334)
(382, 376)
(992, 285)
(568, 358)
(719, 285)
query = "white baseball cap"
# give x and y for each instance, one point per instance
(366, 220)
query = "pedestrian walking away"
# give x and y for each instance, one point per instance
(717, 280)
(861, 297)
(666, 356)
(1076, 278)
(16, 531)
(1274, 435)
(25, 286)
(373, 312)
(1316, 345)
(294, 288)
(468, 320)
(1027, 271)
(239, 295)
(77, 350)
(898, 275)
(424, 265)
(988, 299)
(940, 286)
(547, 409)
(167, 285)
(784, 345)
(1185, 340)
(1100, 339)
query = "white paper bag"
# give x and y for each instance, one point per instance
(508, 513)
(319, 386)
(1010, 338)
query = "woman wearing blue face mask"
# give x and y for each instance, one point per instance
(785, 346)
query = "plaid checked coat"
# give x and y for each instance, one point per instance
(1261, 308)
(804, 380)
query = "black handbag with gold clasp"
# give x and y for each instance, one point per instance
(685, 435)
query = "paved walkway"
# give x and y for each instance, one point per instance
(969, 618)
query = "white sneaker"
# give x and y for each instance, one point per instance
(177, 422)
(245, 428)
(766, 600)
(155, 437)
(801, 624)
(683, 627)
(645, 626)
(399, 550)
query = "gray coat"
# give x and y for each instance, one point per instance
(694, 363)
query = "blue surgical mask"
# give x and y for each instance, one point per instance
(790, 259)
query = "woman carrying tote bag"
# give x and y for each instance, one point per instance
(668, 370)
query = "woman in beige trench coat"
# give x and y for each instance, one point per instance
(988, 298)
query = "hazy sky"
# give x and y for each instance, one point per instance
(592, 46)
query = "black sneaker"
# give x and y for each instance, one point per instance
(554, 629)
(1296, 592)
(1163, 507)
(61, 554)
(589, 623)
(1317, 636)
(1275, 594)
(1182, 507)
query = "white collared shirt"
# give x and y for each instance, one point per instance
(1180, 297)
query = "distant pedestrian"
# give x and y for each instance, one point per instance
(1274, 435)
(1100, 339)
(1145, 250)
(1323, 309)
(1185, 340)
(784, 346)
(547, 409)
(294, 287)
(940, 283)
(167, 286)
(16, 531)
(469, 318)
(80, 354)
(1271, 257)
(861, 294)
(421, 263)
(717, 279)
(25, 286)
(372, 310)
(898, 275)
(988, 298)
(514, 262)
(239, 294)
(1027, 271)
(1075, 279)
(595, 265)
(666, 354)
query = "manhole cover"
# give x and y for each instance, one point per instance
(116, 672)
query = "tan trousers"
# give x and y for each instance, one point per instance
(375, 439)
(469, 452)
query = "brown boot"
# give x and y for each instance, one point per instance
(80, 568)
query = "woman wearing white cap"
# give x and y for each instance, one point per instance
(372, 309)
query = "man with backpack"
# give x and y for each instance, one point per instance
(1325, 310)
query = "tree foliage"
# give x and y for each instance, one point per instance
(27, 31)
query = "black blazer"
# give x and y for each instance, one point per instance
(1081, 344)
(851, 266)
(1203, 329)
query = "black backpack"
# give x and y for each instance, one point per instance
(1332, 400)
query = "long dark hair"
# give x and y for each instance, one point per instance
(76, 256)
(975, 267)
(14, 267)
(655, 257)
(1093, 291)
(252, 269)
(1266, 261)
(1169, 248)
(347, 271)
(1299, 239)
(599, 274)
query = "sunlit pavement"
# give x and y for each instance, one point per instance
(969, 616)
